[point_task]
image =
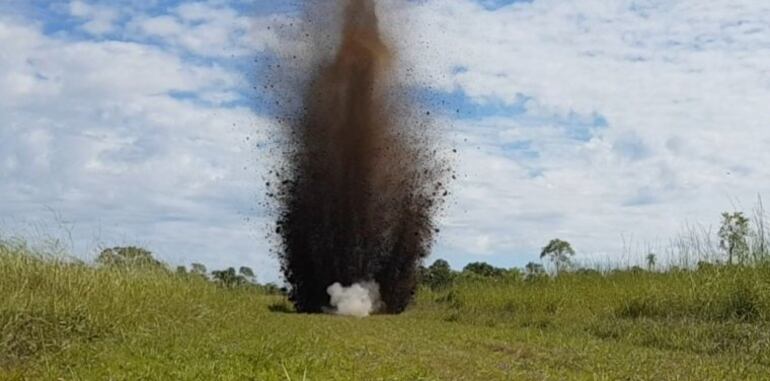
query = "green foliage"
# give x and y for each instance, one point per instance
(273, 289)
(228, 278)
(128, 257)
(247, 272)
(724, 311)
(636, 269)
(438, 276)
(651, 261)
(513, 274)
(733, 237)
(198, 269)
(744, 303)
(26, 334)
(559, 252)
(588, 272)
(484, 269)
(534, 270)
(704, 266)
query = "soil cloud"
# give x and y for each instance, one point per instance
(361, 181)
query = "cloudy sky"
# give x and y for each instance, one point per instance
(596, 121)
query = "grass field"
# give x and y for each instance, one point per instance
(67, 321)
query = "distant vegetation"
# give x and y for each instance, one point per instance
(703, 314)
(137, 258)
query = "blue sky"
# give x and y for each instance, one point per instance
(137, 123)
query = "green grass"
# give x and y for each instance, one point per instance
(61, 320)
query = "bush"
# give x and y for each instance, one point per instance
(742, 303)
(639, 308)
(27, 334)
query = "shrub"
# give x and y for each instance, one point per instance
(742, 303)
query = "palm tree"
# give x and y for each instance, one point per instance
(651, 261)
(559, 251)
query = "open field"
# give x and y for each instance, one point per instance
(77, 322)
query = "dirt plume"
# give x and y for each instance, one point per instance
(361, 181)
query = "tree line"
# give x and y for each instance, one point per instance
(132, 257)
(740, 243)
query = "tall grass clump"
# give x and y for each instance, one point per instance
(49, 303)
(707, 310)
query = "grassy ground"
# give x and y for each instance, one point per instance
(74, 322)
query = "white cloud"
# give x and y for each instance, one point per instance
(683, 86)
(211, 29)
(99, 20)
(94, 131)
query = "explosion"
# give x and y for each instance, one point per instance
(361, 182)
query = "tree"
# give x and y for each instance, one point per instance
(247, 273)
(198, 269)
(181, 270)
(130, 256)
(559, 251)
(483, 269)
(439, 275)
(651, 261)
(534, 270)
(228, 278)
(733, 236)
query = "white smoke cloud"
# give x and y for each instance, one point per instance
(359, 300)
